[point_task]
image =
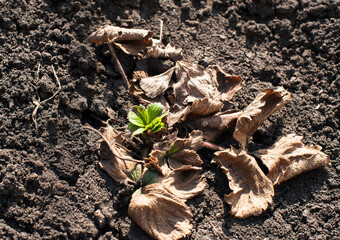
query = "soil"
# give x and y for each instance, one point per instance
(51, 186)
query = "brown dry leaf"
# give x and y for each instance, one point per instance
(265, 104)
(289, 157)
(160, 213)
(193, 82)
(200, 92)
(115, 159)
(203, 107)
(252, 191)
(155, 86)
(215, 125)
(193, 142)
(227, 84)
(139, 94)
(170, 51)
(185, 182)
(178, 152)
(184, 157)
(131, 41)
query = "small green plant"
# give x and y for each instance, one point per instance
(146, 120)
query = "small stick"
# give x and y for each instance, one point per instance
(160, 30)
(120, 68)
(212, 146)
(215, 230)
(107, 142)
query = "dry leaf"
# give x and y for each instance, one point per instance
(227, 84)
(115, 159)
(289, 157)
(137, 92)
(155, 86)
(200, 92)
(178, 152)
(193, 142)
(184, 157)
(131, 41)
(193, 82)
(265, 104)
(160, 213)
(252, 191)
(170, 51)
(203, 107)
(185, 182)
(215, 125)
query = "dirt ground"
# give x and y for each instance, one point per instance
(51, 186)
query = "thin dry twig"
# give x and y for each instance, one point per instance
(107, 142)
(37, 102)
(215, 230)
(120, 68)
(212, 146)
(161, 30)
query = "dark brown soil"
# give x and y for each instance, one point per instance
(51, 186)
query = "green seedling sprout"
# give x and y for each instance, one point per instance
(147, 119)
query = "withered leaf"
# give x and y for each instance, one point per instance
(131, 41)
(171, 143)
(115, 159)
(160, 213)
(266, 103)
(156, 85)
(226, 84)
(200, 92)
(215, 125)
(184, 157)
(170, 51)
(252, 191)
(193, 142)
(178, 152)
(136, 91)
(289, 157)
(185, 182)
(193, 82)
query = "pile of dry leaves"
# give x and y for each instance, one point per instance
(167, 170)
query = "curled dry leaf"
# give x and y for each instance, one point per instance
(185, 182)
(226, 84)
(160, 213)
(193, 82)
(252, 191)
(115, 158)
(289, 157)
(170, 51)
(131, 41)
(174, 153)
(266, 103)
(160, 209)
(213, 126)
(136, 91)
(200, 92)
(156, 85)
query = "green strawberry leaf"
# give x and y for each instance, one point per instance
(154, 110)
(137, 131)
(135, 119)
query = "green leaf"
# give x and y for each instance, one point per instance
(142, 113)
(157, 127)
(154, 110)
(137, 131)
(135, 173)
(150, 177)
(173, 149)
(135, 119)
